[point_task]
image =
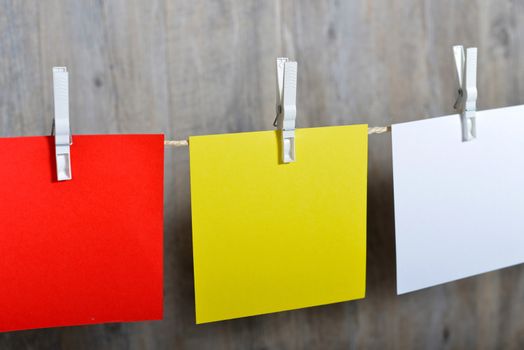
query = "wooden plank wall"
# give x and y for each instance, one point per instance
(201, 67)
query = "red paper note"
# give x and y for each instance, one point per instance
(87, 250)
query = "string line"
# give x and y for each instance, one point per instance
(371, 130)
(176, 143)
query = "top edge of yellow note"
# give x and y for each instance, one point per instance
(276, 130)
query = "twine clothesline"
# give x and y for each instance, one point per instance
(371, 130)
(378, 129)
(176, 143)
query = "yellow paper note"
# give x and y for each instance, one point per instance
(269, 236)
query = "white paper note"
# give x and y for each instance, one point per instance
(459, 206)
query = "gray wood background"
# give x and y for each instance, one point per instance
(202, 67)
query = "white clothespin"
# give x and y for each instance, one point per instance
(286, 106)
(466, 102)
(61, 128)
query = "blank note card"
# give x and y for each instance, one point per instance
(87, 250)
(269, 237)
(458, 205)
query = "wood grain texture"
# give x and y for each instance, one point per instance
(201, 67)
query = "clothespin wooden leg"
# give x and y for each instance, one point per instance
(466, 104)
(286, 106)
(61, 126)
